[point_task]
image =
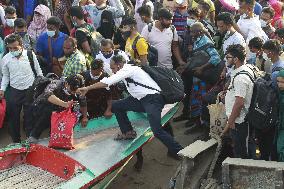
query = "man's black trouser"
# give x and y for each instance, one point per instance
(240, 140)
(17, 102)
(152, 104)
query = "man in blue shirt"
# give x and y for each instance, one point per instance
(50, 43)
(272, 48)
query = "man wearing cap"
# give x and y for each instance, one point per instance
(163, 35)
(180, 16)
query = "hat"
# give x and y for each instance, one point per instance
(180, 1)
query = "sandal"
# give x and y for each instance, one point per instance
(126, 136)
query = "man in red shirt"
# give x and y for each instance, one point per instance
(10, 16)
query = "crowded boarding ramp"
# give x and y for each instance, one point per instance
(148, 94)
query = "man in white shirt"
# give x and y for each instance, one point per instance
(238, 99)
(20, 73)
(225, 22)
(163, 36)
(249, 24)
(107, 52)
(141, 99)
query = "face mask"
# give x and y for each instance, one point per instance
(74, 24)
(16, 53)
(252, 55)
(22, 34)
(95, 77)
(282, 46)
(264, 56)
(126, 34)
(107, 56)
(10, 22)
(50, 33)
(190, 21)
(263, 23)
(244, 15)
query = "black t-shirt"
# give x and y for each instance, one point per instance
(81, 36)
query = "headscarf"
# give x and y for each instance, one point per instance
(39, 25)
(277, 6)
(107, 25)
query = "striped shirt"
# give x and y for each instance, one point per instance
(180, 22)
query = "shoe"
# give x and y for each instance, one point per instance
(31, 140)
(174, 156)
(181, 117)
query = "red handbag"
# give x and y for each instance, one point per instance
(61, 134)
(2, 111)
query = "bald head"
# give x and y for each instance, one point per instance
(69, 46)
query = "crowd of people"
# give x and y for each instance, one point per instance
(90, 52)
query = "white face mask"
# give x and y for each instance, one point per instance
(264, 56)
(10, 22)
(263, 23)
(190, 21)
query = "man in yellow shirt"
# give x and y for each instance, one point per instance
(136, 46)
(211, 13)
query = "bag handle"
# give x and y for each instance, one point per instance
(50, 49)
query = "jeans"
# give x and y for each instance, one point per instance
(152, 104)
(17, 102)
(240, 140)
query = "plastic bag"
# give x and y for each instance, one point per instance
(218, 118)
(62, 124)
(2, 111)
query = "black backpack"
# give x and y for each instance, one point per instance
(169, 81)
(40, 82)
(152, 52)
(263, 110)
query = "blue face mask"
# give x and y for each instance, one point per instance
(282, 46)
(50, 33)
(16, 53)
(107, 56)
(22, 34)
(190, 21)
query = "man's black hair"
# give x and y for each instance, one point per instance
(77, 11)
(194, 11)
(75, 81)
(10, 10)
(272, 45)
(129, 21)
(269, 11)
(20, 23)
(144, 10)
(256, 43)
(43, 2)
(97, 64)
(71, 40)
(237, 51)
(280, 32)
(55, 21)
(248, 2)
(106, 42)
(165, 13)
(204, 5)
(118, 59)
(13, 38)
(226, 17)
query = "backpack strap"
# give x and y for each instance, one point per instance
(241, 73)
(150, 26)
(129, 80)
(134, 46)
(31, 60)
(277, 69)
(204, 47)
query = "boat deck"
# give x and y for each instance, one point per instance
(26, 176)
(96, 149)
